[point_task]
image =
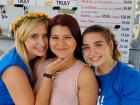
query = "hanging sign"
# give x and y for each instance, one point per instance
(65, 4)
(25, 2)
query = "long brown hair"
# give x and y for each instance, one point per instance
(108, 36)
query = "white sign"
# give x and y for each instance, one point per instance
(65, 3)
(26, 2)
(117, 15)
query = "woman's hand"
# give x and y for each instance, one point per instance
(56, 65)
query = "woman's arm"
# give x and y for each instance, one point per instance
(88, 87)
(18, 86)
(43, 94)
(44, 84)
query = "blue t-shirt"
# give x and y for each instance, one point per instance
(119, 87)
(11, 58)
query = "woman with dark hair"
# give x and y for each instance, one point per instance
(119, 83)
(67, 79)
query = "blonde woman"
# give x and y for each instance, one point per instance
(31, 41)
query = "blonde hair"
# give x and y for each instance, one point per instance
(22, 31)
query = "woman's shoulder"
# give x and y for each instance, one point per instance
(10, 58)
(127, 79)
(126, 69)
(86, 71)
(87, 77)
(125, 73)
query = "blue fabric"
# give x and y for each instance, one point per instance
(11, 58)
(120, 87)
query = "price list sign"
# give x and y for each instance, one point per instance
(116, 15)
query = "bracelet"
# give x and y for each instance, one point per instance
(48, 75)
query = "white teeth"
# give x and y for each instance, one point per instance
(41, 49)
(95, 58)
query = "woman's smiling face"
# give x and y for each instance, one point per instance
(95, 49)
(62, 43)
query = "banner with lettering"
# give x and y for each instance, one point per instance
(66, 4)
(25, 2)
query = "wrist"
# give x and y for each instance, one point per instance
(50, 76)
(49, 71)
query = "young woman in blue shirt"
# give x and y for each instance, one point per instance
(119, 84)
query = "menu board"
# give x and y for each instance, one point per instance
(114, 14)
